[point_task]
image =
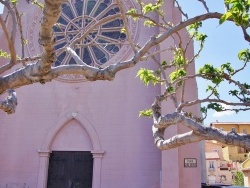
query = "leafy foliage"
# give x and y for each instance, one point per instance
(170, 42)
(244, 55)
(146, 113)
(215, 106)
(147, 8)
(177, 74)
(40, 5)
(238, 11)
(147, 76)
(4, 54)
(178, 60)
(239, 178)
(149, 23)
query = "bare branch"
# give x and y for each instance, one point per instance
(19, 23)
(28, 59)
(199, 132)
(156, 23)
(175, 141)
(75, 56)
(51, 13)
(10, 39)
(42, 72)
(126, 25)
(204, 4)
(93, 26)
(246, 35)
(179, 7)
(199, 101)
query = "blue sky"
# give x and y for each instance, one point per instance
(223, 43)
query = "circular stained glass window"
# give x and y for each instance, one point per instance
(105, 44)
(101, 44)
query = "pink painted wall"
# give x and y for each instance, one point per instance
(110, 107)
(174, 159)
(101, 117)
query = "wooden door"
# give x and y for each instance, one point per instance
(69, 169)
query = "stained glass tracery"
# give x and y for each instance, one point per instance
(98, 46)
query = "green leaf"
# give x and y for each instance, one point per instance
(225, 17)
(195, 26)
(201, 37)
(4, 54)
(40, 5)
(213, 90)
(132, 11)
(149, 23)
(147, 113)
(203, 109)
(147, 8)
(170, 89)
(14, 2)
(177, 74)
(228, 67)
(215, 106)
(239, 178)
(147, 76)
(179, 59)
(233, 92)
(123, 30)
(164, 63)
(244, 55)
(211, 73)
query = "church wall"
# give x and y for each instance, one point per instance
(106, 113)
(130, 158)
(111, 107)
(174, 159)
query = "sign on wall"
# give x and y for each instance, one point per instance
(190, 162)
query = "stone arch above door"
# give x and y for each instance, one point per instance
(63, 122)
(71, 137)
(83, 127)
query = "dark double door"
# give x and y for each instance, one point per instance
(70, 169)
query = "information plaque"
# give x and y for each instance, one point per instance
(190, 162)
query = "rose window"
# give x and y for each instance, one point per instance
(101, 44)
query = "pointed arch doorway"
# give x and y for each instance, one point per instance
(70, 155)
(70, 169)
(71, 161)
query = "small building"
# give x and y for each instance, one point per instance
(237, 158)
(246, 171)
(217, 168)
(238, 127)
(234, 153)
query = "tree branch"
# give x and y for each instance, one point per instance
(42, 72)
(204, 4)
(51, 13)
(90, 29)
(19, 23)
(10, 39)
(198, 133)
(123, 15)
(246, 35)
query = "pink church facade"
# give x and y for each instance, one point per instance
(71, 117)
